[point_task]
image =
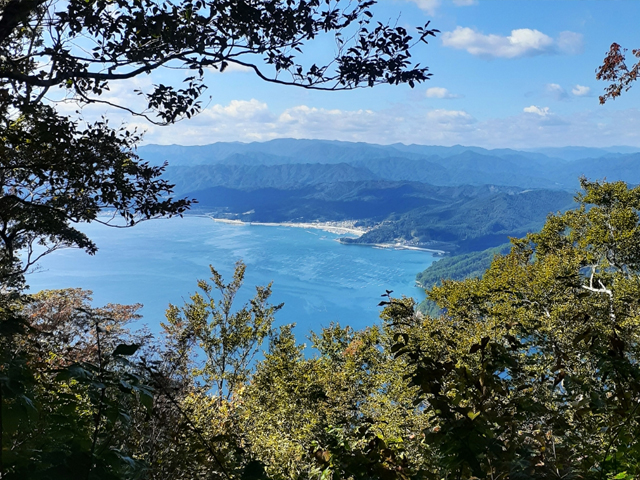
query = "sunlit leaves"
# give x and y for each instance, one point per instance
(533, 367)
(227, 340)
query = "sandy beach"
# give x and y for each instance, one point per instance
(340, 228)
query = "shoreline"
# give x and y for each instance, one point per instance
(338, 228)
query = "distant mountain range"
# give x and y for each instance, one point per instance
(287, 163)
(463, 198)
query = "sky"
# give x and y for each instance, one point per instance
(506, 74)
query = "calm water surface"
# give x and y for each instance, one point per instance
(158, 262)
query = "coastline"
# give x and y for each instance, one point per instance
(340, 228)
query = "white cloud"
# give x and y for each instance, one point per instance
(303, 121)
(440, 92)
(449, 116)
(542, 111)
(240, 109)
(580, 91)
(239, 119)
(522, 42)
(556, 91)
(431, 6)
(252, 120)
(411, 124)
(590, 128)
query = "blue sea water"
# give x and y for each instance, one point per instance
(158, 262)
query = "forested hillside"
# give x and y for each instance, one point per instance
(446, 166)
(416, 397)
(526, 370)
(471, 222)
(464, 218)
(459, 199)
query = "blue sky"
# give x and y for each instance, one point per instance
(517, 74)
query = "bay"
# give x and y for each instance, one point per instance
(158, 262)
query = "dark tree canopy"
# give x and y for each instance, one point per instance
(82, 46)
(56, 172)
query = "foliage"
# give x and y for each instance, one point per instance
(227, 340)
(61, 332)
(84, 46)
(55, 173)
(343, 413)
(189, 434)
(614, 69)
(80, 400)
(457, 267)
(533, 371)
(67, 416)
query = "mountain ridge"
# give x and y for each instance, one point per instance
(463, 198)
(447, 166)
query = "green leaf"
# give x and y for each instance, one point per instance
(75, 371)
(126, 350)
(147, 400)
(622, 476)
